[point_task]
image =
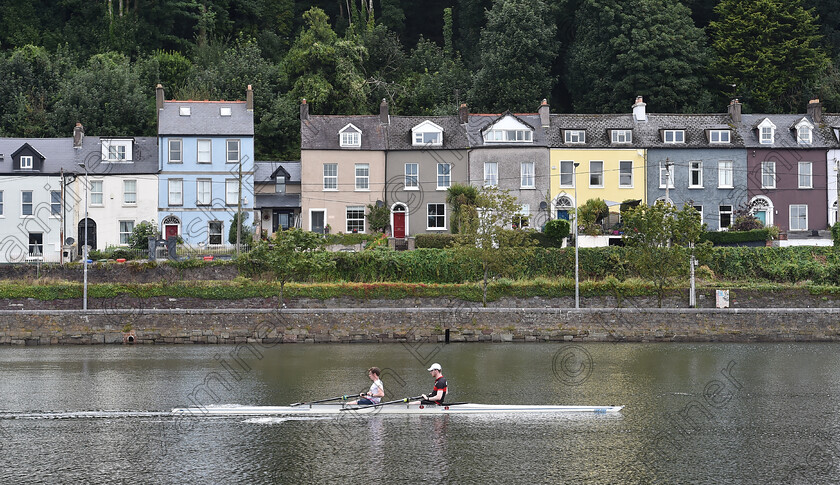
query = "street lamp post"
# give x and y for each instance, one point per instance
(577, 279)
(85, 250)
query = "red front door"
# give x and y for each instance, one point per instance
(399, 224)
(171, 231)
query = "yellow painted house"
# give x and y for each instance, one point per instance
(597, 155)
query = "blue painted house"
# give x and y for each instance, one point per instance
(206, 167)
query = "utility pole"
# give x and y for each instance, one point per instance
(239, 208)
(577, 263)
(692, 296)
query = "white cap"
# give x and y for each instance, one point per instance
(434, 366)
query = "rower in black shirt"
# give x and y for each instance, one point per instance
(438, 394)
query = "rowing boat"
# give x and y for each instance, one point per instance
(332, 409)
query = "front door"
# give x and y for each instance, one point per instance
(563, 214)
(91, 234)
(170, 230)
(399, 224)
(761, 216)
(317, 222)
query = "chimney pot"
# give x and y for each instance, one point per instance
(815, 110)
(639, 110)
(159, 96)
(544, 114)
(249, 98)
(383, 112)
(304, 110)
(78, 135)
(463, 114)
(735, 110)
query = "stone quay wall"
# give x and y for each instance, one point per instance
(417, 325)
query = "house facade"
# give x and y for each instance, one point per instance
(206, 151)
(831, 124)
(277, 194)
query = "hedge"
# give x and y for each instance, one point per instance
(734, 237)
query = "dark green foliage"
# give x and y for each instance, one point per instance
(557, 229)
(746, 222)
(246, 235)
(835, 233)
(378, 218)
(434, 241)
(139, 238)
(734, 237)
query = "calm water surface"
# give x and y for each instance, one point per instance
(695, 413)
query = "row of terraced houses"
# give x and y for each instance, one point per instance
(192, 178)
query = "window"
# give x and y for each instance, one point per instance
(575, 136)
(803, 134)
(362, 176)
(695, 174)
(26, 203)
(176, 154)
(491, 174)
(444, 178)
(204, 151)
(806, 179)
(350, 136)
(129, 191)
(1, 203)
(411, 180)
(427, 138)
(666, 176)
(768, 175)
(26, 163)
(36, 245)
(214, 232)
(699, 209)
(508, 136)
(126, 228)
(622, 136)
(55, 203)
(719, 136)
(725, 174)
(176, 192)
(184, 111)
(596, 174)
(355, 219)
(232, 151)
(280, 185)
(798, 217)
(224, 111)
(625, 173)
(330, 176)
(725, 212)
(567, 174)
(96, 190)
(436, 216)
(203, 191)
(526, 175)
(521, 219)
(232, 191)
(114, 150)
(766, 135)
(674, 136)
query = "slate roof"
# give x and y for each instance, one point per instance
(263, 171)
(59, 154)
(320, 132)
(400, 138)
(784, 135)
(478, 122)
(277, 201)
(205, 119)
(831, 122)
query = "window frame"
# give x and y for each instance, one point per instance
(720, 134)
(238, 143)
(2, 204)
(198, 191)
(629, 173)
(180, 150)
(209, 151)
(491, 174)
(446, 176)
(228, 184)
(126, 192)
(673, 134)
(593, 173)
(211, 234)
(695, 167)
(94, 184)
(120, 231)
(730, 170)
(721, 213)
(330, 179)
(804, 140)
(571, 164)
(412, 180)
(55, 203)
(28, 166)
(355, 220)
(23, 204)
(176, 183)
(791, 219)
(810, 175)
(348, 138)
(765, 173)
(362, 182)
(766, 140)
(429, 216)
(669, 183)
(574, 137)
(526, 175)
(626, 134)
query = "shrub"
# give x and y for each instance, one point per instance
(835, 233)
(557, 229)
(746, 222)
(735, 237)
(434, 241)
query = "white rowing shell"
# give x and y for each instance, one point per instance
(328, 409)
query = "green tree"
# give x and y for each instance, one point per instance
(557, 230)
(486, 235)
(433, 79)
(767, 48)
(246, 235)
(625, 48)
(378, 217)
(139, 238)
(30, 83)
(462, 199)
(592, 212)
(518, 46)
(659, 236)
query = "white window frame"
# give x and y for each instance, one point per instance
(721, 212)
(695, 167)
(623, 172)
(116, 155)
(350, 136)
(491, 174)
(175, 192)
(571, 174)
(127, 192)
(791, 218)
(673, 134)
(768, 174)
(436, 216)
(26, 162)
(508, 136)
(184, 111)
(356, 220)
(574, 136)
(670, 174)
(125, 235)
(412, 176)
(362, 172)
(2, 207)
(180, 150)
(211, 234)
(720, 136)
(31, 204)
(228, 151)
(55, 203)
(444, 175)
(766, 132)
(331, 179)
(621, 136)
(231, 191)
(810, 175)
(208, 150)
(200, 184)
(97, 193)
(726, 167)
(527, 175)
(421, 132)
(593, 172)
(224, 111)
(804, 132)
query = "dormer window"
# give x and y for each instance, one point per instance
(719, 136)
(224, 111)
(622, 136)
(26, 163)
(350, 136)
(509, 130)
(766, 132)
(575, 136)
(427, 133)
(673, 136)
(184, 111)
(116, 150)
(804, 132)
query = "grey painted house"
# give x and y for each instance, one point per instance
(277, 196)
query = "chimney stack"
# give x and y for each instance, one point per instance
(735, 110)
(544, 118)
(304, 110)
(78, 135)
(463, 114)
(383, 112)
(249, 99)
(159, 96)
(639, 110)
(815, 110)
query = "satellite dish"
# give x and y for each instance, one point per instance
(69, 241)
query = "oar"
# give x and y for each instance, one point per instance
(405, 399)
(339, 398)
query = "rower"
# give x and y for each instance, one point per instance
(439, 392)
(376, 391)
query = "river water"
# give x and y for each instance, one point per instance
(695, 413)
